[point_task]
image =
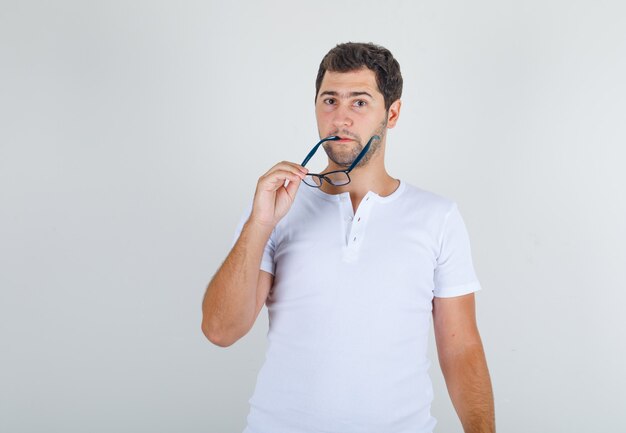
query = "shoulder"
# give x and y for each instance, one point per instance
(427, 201)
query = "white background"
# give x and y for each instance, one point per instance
(131, 138)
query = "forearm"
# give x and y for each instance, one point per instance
(469, 386)
(230, 301)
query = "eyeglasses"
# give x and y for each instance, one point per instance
(337, 177)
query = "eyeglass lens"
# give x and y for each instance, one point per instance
(337, 178)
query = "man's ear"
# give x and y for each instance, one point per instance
(393, 113)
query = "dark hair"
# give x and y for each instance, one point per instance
(351, 56)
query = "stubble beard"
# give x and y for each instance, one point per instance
(345, 158)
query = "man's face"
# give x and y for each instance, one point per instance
(350, 106)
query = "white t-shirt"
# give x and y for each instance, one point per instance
(349, 311)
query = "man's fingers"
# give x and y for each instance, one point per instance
(292, 188)
(276, 179)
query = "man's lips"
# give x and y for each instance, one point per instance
(344, 140)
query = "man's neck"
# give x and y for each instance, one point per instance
(373, 177)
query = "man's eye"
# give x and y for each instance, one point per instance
(329, 101)
(360, 103)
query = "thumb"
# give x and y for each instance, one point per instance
(292, 188)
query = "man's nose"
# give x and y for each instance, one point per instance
(342, 117)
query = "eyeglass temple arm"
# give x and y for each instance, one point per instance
(312, 152)
(363, 152)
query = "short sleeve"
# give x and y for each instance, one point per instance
(267, 261)
(454, 274)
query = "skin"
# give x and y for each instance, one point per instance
(350, 105)
(463, 363)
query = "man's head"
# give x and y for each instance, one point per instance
(358, 91)
(352, 56)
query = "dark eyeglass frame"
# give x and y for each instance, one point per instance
(323, 176)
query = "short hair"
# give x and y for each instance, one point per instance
(352, 56)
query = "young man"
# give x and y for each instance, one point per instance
(351, 262)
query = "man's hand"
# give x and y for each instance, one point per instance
(272, 199)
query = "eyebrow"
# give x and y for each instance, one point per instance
(350, 95)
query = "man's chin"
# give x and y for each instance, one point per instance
(342, 160)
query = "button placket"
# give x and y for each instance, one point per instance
(346, 217)
(356, 232)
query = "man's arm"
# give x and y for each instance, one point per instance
(238, 290)
(463, 363)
